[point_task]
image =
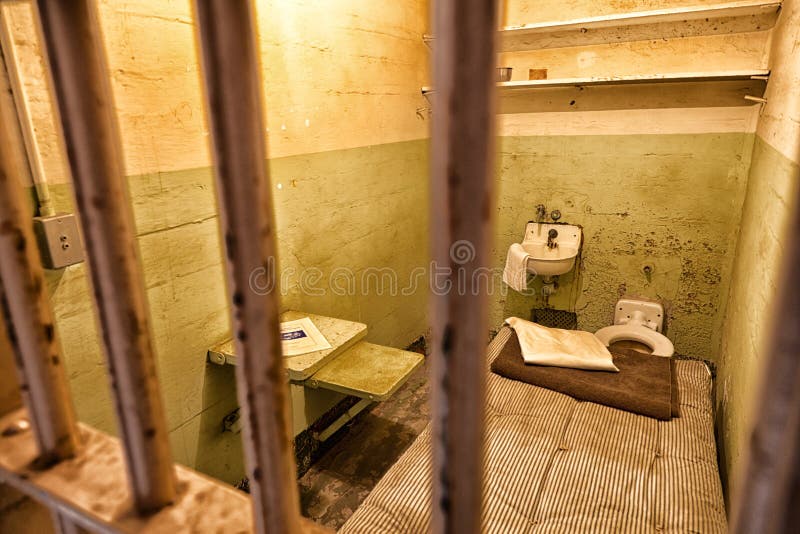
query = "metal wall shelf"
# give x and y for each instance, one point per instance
(687, 90)
(674, 78)
(689, 21)
(731, 17)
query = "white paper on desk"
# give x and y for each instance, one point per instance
(301, 337)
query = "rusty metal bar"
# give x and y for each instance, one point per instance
(10, 398)
(461, 210)
(230, 64)
(28, 317)
(64, 525)
(75, 51)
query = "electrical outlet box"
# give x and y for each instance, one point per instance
(59, 240)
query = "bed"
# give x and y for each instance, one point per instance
(555, 464)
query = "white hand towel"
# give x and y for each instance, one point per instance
(516, 272)
(561, 348)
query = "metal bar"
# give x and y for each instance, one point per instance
(10, 398)
(29, 319)
(75, 51)
(769, 501)
(63, 524)
(230, 64)
(461, 210)
(85, 489)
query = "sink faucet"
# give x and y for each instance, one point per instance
(541, 212)
(551, 237)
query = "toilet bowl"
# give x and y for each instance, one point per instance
(640, 321)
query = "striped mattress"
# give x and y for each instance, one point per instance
(554, 464)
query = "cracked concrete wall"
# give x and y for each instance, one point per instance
(772, 193)
(349, 173)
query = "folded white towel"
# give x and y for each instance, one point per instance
(561, 348)
(516, 272)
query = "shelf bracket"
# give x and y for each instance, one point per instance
(761, 102)
(342, 420)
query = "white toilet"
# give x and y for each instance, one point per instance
(640, 321)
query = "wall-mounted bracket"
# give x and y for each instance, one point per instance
(342, 420)
(761, 102)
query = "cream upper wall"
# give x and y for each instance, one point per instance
(779, 124)
(336, 63)
(321, 78)
(631, 122)
(635, 109)
(321, 75)
(738, 51)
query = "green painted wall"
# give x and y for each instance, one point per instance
(349, 209)
(346, 218)
(771, 197)
(670, 201)
(770, 205)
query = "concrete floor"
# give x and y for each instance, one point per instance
(341, 479)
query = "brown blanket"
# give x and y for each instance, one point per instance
(645, 384)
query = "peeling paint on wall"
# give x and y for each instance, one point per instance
(671, 202)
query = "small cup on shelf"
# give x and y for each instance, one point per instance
(503, 74)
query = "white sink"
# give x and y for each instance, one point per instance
(547, 261)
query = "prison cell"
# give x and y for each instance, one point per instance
(92, 481)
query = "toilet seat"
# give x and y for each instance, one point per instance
(658, 343)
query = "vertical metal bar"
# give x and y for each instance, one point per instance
(462, 205)
(233, 91)
(63, 524)
(77, 61)
(10, 398)
(29, 318)
(769, 501)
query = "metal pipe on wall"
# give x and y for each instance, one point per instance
(230, 64)
(40, 185)
(29, 318)
(76, 56)
(461, 209)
